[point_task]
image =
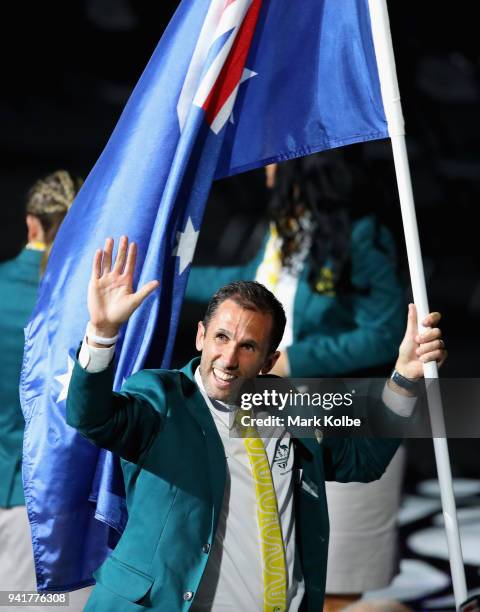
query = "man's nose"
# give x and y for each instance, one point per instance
(230, 357)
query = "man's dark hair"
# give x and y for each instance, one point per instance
(252, 296)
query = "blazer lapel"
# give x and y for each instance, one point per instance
(216, 452)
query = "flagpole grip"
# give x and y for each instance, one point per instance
(393, 111)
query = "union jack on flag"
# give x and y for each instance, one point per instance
(232, 85)
(217, 65)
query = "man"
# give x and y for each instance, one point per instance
(216, 522)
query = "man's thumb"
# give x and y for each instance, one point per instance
(147, 289)
(412, 324)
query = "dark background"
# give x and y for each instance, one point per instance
(68, 70)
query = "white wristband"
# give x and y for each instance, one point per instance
(100, 339)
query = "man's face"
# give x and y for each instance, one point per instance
(234, 347)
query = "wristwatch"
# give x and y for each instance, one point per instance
(408, 384)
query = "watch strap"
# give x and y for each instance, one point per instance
(405, 383)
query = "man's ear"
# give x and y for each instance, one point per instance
(270, 362)
(200, 336)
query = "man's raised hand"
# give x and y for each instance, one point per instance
(111, 299)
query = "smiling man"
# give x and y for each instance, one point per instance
(217, 521)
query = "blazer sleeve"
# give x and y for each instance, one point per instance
(357, 459)
(125, 423)
(204, 281)
(378, 314)
(364, 456)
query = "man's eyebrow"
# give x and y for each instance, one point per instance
(221, 330)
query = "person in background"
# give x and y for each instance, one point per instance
(332, 265)
(47, 204)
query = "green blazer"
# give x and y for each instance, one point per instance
(334, 335)
(174, 468)
(19, 279)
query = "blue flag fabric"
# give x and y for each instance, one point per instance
(232, 85)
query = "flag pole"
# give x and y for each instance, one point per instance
(393, 111)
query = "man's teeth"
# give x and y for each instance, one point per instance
(223, 375)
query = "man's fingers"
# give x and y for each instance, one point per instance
(429, 335)
(432, 319)
(121, 255)
(438, 356)
(107, 255)
(97, 264)
(131, 258)
(427, 347)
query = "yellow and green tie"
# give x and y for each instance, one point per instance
(273, 551)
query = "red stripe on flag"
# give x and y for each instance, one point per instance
(232, 70)
(227, 3)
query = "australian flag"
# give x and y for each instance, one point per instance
(232, 85)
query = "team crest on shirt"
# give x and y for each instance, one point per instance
(281, 455)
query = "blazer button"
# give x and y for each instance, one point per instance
(318, 435)
(206, 548)
(188, 596)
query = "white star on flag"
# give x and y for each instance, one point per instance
(64, 380)
(186, 242)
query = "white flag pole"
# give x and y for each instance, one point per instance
(393, 111)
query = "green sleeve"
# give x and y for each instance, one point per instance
(362, 454)
(124, 423)
(204, 281)
(378, 313)
(357, 459)
(366, 457)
